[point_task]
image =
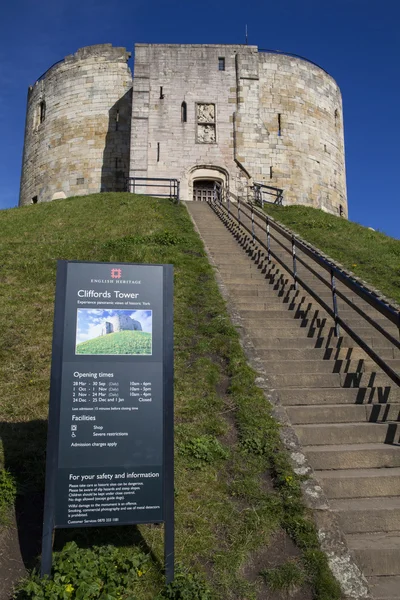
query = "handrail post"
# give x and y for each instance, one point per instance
(268, 239)
(239, 211)
(229, 204)
(252, 223)
(334, 302)
(294, 261)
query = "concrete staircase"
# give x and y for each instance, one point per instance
(344, 410)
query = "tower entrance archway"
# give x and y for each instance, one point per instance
(206, 182)
(207, 189)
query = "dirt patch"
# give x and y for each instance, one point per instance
(279, 551)
(20, 542)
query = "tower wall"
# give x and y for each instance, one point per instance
(290, 130)
(77, 132)
(278, 120)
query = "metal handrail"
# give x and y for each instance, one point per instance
(244, 208)
(261, 188)
(173, 185)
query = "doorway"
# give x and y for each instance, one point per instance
(205, 190)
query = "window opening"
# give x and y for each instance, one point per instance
(279, 125)
(116, 163)
(221, 63)
(116, 120)
(158, 151)
(336, 116)
(161, 93)
(42, 111)
(34, 200)
(270, 172)
(183, 112)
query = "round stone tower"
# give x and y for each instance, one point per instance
(77, 132)
(301, 108)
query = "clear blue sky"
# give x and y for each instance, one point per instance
(356, 41)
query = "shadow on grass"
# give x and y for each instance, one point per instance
(24, 447)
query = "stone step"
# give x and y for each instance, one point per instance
(353, 456)
(321, 434)
(311, 323)
(275, 367)
(309, 328)
(376, 553)
(367, 515)
(379, 396)
(344, 413)
(329, 341)
(360, 483)
(329, 380)
(332, 354)
(385, 588)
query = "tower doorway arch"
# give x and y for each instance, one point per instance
(208, 183)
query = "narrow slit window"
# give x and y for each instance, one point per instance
(183, 112)
(116, 163)
(270, 172)
(336, 116)
(116, 120)
(158, 151)
(221, 63)
(161, 93)
(42, 111)
(279, 124)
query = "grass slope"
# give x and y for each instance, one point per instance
(122, 342)
(231, 524)
(371, 255)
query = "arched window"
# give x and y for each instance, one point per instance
(42, 111)
(183, 112)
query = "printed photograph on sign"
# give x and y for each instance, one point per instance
(108, 332)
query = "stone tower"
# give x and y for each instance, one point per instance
(77, 131)
(229, 116)
(237, 115)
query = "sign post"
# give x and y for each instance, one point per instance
(110, 437)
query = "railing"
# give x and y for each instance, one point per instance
(267, 194)
(140, 185)
(244, 216)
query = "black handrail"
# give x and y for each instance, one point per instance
(259, 189)
(173, 185)
(248, 210)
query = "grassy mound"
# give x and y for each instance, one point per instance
(371, 255)
(231, 523)
(122, 342)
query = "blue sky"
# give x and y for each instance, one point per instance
(356, 41)
(90, 322)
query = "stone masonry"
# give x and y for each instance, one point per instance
(78, 126)
(276, 119)
(232, 114)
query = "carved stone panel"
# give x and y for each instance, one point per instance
(206, 113)
(206, 133)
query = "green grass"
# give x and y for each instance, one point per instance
(122, 342)
(370, 255)
(289, 577)
(227, 443)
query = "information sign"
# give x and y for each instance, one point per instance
(110, 438)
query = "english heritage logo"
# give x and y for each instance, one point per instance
(116, 273)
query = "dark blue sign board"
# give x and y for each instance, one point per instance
(110, 437)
